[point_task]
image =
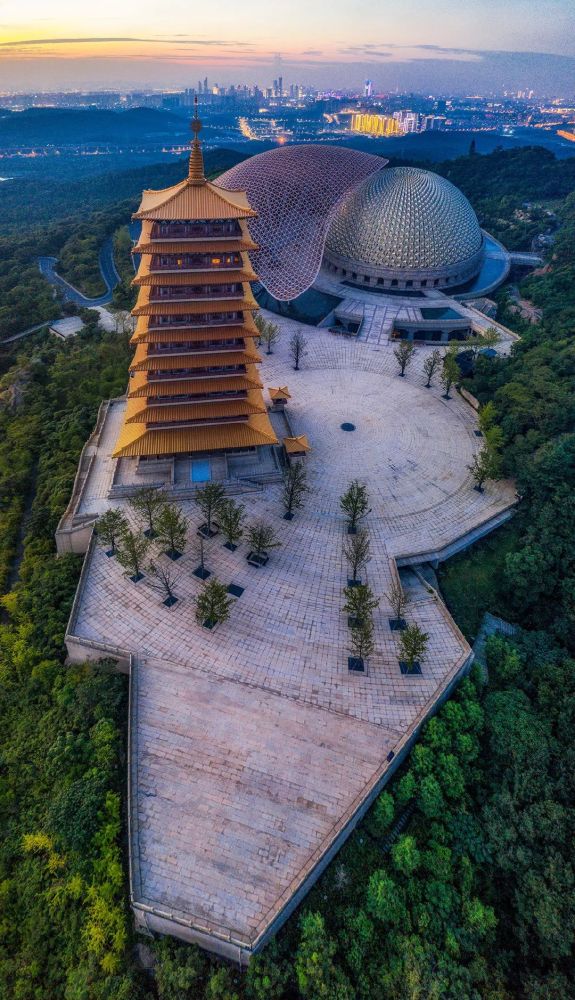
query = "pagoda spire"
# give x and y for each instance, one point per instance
(196, 169)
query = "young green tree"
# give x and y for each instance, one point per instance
(294, 488)
(213, 603)
(361, 642)
(355, 504)
(356, 551)
(360, 603)
(490, 338)
(382, 814)
(403, 354)
(398, 600)
(171, 530)
(163, 579)
(147, 504)
(298, 348)
(131, 553)
(485, 464)
(449, 373)
(262, 538)
(430, 366)
(413, 643)
(268, 332)
(110, 527)
(208, 499)
(231, 515)
(487, 417)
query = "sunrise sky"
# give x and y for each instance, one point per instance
(111, 43)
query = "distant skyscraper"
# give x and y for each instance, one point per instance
(368, 88)
(280, 86)
(205, 85)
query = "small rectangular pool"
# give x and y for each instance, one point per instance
(200, 470)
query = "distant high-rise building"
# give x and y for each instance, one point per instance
(368, 88)
(280, 86)
(205, 85)
(375, 124)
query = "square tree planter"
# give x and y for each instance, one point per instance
(397, 624)
(203, 530)
(351, 530)
(110, 553)
(235, 590)
(201, 572)
(230, 546)
(405, 669)
(288, 516)
(257, 560)
(174, 555)
(170, 601)
(137, 577)
(353, 583)
(150, 533)
(354, 622)
(209, 623)
(355, 664)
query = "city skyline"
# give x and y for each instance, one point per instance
(411, 44)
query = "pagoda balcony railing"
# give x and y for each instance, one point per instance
(196, 397)
(217, 346)
(187, 373)
(191, 230)
(204, 421)
(178, 264)
(202, 319)
(167, 293)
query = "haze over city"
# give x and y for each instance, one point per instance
(417, 44)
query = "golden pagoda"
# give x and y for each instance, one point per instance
(194, 386)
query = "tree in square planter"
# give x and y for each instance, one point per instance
(403, 354)
(231, 515)
(261, 538)
(268, 332)
(163, 579)
(398, 600)
(412, 648)
(294, 489)
(430, 366)
(361, 645)
(485, 464)
(297, 348)
(171, 531)
(147, 504)
(355, 505)
(110, 528)
(131, 554)
(356, 552)
(213, 604)
(360, 602)
(200, 571)
(209, 499)
(449, 372)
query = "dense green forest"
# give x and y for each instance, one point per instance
(474, 899)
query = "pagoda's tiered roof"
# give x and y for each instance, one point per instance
(212, 419)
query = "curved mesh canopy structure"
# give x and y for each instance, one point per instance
(295, 190)
(405, 218)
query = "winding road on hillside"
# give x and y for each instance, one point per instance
(108, 271)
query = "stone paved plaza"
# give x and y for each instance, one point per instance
(253, 745)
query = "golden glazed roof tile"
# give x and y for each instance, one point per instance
(140, 387)
(215, 277)
(144, 362)
(297, 445)
(134, 441)
(196, 334)
(194, 411)
(191, 201)
(197, 307)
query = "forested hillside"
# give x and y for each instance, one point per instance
(473, 897)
